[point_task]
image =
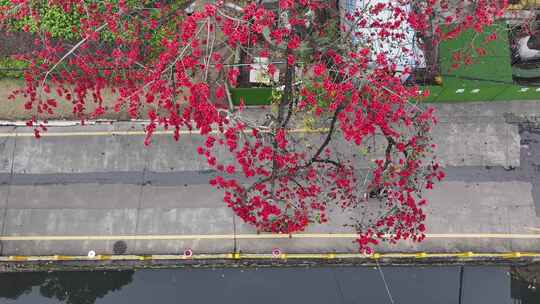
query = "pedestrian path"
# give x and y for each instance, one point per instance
(93, 188)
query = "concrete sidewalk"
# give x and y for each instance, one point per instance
(97, 185)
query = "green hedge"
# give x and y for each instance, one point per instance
(64, 25)
(252, 96)
(11, 68)
(53, 19)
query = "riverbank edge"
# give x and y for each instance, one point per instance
(236, 260)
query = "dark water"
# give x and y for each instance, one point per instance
(437, 285)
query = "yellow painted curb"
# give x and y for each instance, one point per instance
(62, 258)
(513, 255)
(283, 256)
(467, 254)
(17, 258)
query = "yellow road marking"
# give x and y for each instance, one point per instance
(252, 236)
(90, 133)
(129, 133)
(284, 256)
(483, 236)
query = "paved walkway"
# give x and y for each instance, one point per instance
(71, 192)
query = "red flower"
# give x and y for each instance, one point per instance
(285, 4)
(179, 84)
(319, 69)
(291, 60)
(492, 37)
(294, 43)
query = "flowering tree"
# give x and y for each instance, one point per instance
(345, 130)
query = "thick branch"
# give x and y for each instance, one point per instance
(388, 152)
(328, 136)
(327, 161)
(287, 94)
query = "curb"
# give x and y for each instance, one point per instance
(280, 256)
(10, 264)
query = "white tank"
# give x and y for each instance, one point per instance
(524, 52)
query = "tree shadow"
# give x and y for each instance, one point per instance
(67, 287)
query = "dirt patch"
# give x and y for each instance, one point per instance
(14, 109)
(16, 43)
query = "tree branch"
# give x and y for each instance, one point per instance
(287, 93)
(328, 136)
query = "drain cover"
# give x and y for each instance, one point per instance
(119, 247)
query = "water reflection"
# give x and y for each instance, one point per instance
(66, 287)
(525, 286)
(429, 285)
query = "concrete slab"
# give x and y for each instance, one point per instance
(523, 220)
(525, 245)
(477, 110)
(75, 196)
(486, 207)
(296, 245)
(185, 221)
(455, 207)
(477, 144)
(513, 145)
(182, 196)
(349, 245)
(470, 219)
(223, 246)
(338, 219)
(536, 191)
(459, 194)
(78, 154)
(168, 155)
(60, 247)
(6, 157)
(455, 244)
(461, 144)
(4, 190)
(70, 222)
(492, 148)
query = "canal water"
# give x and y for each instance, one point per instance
(418, 285)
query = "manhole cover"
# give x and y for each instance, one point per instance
(119, 247)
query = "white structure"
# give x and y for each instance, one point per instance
(525, 53)
(259, 71)
(403, 52)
